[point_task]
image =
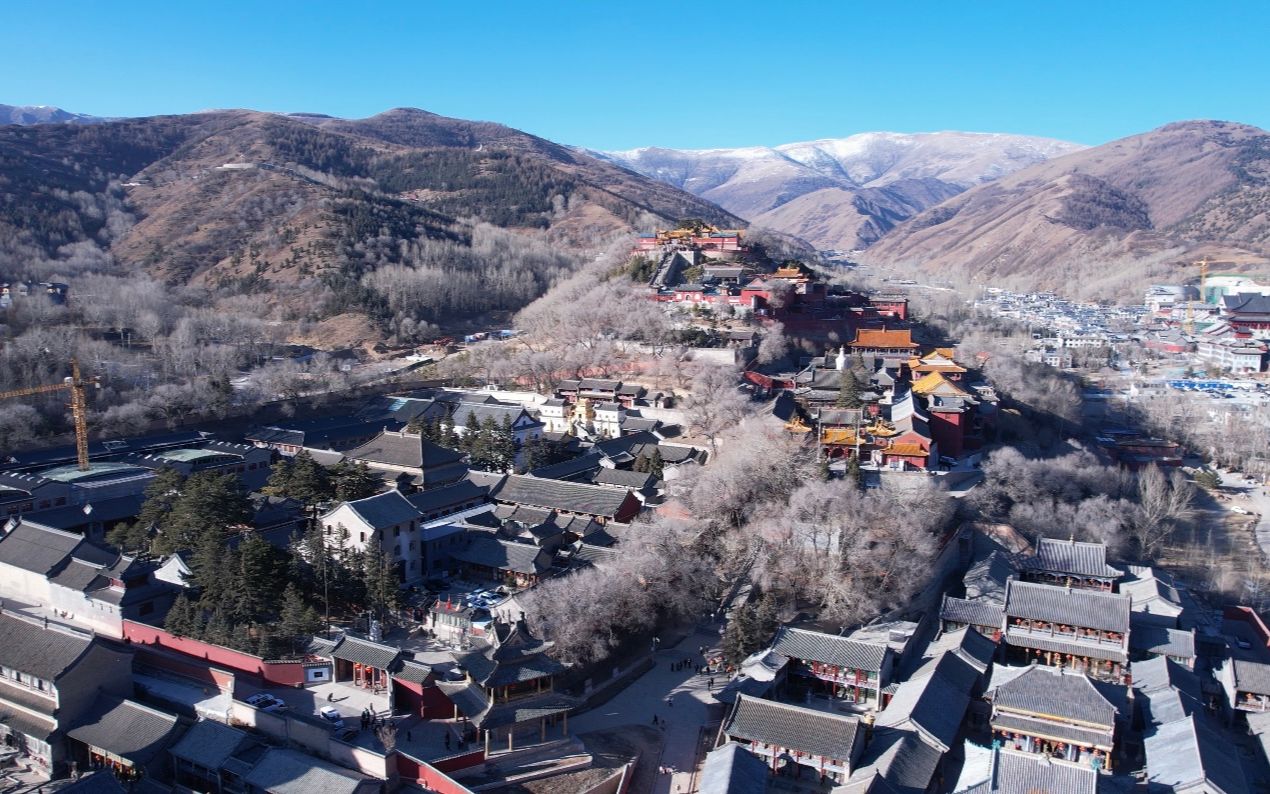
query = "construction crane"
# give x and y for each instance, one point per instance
(79, 406)
(1189, 325)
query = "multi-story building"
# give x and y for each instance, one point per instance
(836, 666)
(1080, 629)
(784, 736)
(50, 676)
(1055, 713)
(386, 521)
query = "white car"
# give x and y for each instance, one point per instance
(1237, 509)
(333, 716)
(266, 702)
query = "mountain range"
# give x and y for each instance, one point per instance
(298, 206)
(245, 198)
(842, 193)
(43, 114)
(1105, 221)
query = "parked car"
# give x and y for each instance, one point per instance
(332, 716)
(1239, 510)
(266, 702)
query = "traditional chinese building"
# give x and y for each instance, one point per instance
(793, 739)
(508, 687)
(837, 666)
(1056, 713)
(1084, 630)
(1070, 563)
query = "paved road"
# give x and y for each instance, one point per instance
(646, 697)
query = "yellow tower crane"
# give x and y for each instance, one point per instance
(1189, 325)
(79, 406)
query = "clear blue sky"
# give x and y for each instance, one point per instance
(613, 74)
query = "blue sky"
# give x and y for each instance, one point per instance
(612, 75)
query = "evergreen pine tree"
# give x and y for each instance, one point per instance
(505, 445)
(471, 433)
(656, 466)
(848, 391)
(208, 503)
(219, 630)
(854, 475)
(279, 482)
(355, 481)
(160, 494)
(180, 618)
(448, 437)
(739, 636)
(766, 622)
(260, 581)
(310, 482)
(641, 463)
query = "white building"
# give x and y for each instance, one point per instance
(387, 520)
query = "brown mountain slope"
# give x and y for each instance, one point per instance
(304, 209)
(1104, 221)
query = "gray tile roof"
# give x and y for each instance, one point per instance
(406, 450)
(1062, 731)
(934, 700)
(1251, 676)
(792, 727)
(35, 549)
(595, 500)
(413, 672)
(815, 646)
(569, 469)
(974, 648)
(38, 726)
(518, 711)
(1049, 691)
(906, 763)
(971, 613)
(44, 653)
(491, 411)
(731, 769)
(539, 667)
(125, 728)
(1058, 644)
(986, 579)
(485, 550)
(356, 649)
(1168, 705)
(1163, 641)
(209, 744)
(469, 698)
(448, 496)
(1071, 557)
(1188, 753)
(1159, 672)
(1028, 773)
(599, 384)
(1091, 609)
(635, 480)
(385, 510)
(292, 772)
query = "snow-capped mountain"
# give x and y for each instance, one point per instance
(841, 193)
(43, 114)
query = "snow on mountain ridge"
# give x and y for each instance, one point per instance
(753, 181)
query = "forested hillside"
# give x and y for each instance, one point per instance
(196, 246)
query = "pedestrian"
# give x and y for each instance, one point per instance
(711, 684)
(447, 741)
(447, 737)
(654, 720)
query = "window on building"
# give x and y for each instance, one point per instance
(59, 501)
(396, 532)
(363, 535)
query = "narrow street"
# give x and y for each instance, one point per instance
(682, 723)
